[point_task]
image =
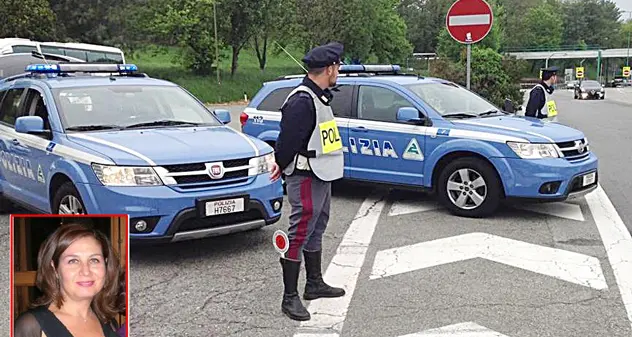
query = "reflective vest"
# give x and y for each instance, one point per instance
(325, 144)
(549, 110)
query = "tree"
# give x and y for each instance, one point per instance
(30, 19)
(277, 22)
(240, 20)
(543, 28)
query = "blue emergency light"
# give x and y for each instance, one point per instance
(369, 68)
(81, 67)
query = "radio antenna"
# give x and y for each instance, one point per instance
(290, 55)
(39, 50)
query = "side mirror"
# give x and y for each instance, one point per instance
(409, 115)
(509, 106)
(223, 115)
(31, 125)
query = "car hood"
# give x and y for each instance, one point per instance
(169, 146)
(532, 129)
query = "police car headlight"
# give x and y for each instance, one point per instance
(533, 151)
(126, 175)
(261, 164)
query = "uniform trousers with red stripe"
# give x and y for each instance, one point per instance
(309, 198)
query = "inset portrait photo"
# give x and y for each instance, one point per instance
(69, 275)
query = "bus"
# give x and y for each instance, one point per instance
(82, 51)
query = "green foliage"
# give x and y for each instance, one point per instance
(543, 27)
(31, 19)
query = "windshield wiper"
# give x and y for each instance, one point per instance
(461, 115)
(491, 112)
(92, 127)
(166, 122)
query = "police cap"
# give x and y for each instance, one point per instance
(324, 56)
(550, 70)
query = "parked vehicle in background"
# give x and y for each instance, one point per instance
(82, 51)
(589, 89)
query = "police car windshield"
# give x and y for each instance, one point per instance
(87, 108)
(450, 99)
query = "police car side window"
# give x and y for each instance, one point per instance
(35, 106)
(274, 101)
(341, 103)
(10, 108)
(380, 104)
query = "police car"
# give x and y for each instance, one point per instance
(124, 143)
(431, 134)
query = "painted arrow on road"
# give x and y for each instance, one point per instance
(559, 209)
(561, 264)
(467, 329)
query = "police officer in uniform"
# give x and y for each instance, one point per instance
(540, 104)
(309, 152)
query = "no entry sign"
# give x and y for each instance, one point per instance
(469, 21)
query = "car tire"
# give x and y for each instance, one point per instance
(67, 198)
(491, 189)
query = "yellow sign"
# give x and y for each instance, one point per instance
(552, 108)
(626, 71)
(330, 137)
(540, 73)
(579, 72)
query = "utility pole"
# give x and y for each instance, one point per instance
(216, 42)
(627, 60)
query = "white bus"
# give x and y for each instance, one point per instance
(83, 51)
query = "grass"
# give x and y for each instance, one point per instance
(247, 80)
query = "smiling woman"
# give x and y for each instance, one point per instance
(79, 275)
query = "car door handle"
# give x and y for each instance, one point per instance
(360, 129)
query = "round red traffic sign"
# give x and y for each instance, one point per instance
(280, 241)
(469, 21)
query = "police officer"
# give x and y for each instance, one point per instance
(540, 104)
(309, 152)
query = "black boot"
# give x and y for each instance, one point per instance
(292, 305)
(315, 287)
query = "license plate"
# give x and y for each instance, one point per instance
(227, 206)
(589, 178)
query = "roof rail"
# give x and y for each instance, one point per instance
(360, 70)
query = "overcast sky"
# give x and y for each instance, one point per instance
(625, 5)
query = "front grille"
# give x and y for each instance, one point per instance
(574, 150)
(220, 220)
(195, 175)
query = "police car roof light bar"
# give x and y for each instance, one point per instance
(81, 67)
(369, 68)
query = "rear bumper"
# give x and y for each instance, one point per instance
(546, 180)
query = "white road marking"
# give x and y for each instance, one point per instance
(403, 207)
(468, 20)
(617, 241)
(561, 264)
(558, 209)
(329, 314)
(467, 329)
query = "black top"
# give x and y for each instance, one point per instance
(35, 321)
(537, 99)
(298, 121)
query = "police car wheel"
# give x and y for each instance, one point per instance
(68, 201)
(469, 187)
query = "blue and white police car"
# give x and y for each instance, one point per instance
(434, 135)
(76, 140)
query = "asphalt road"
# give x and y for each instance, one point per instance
(521, 273)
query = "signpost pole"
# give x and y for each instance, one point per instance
(469, 64)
